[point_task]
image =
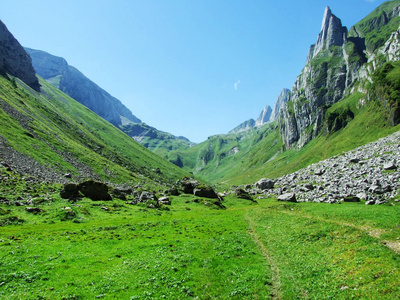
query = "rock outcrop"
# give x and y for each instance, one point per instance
(279, 104)
(14, 60)
(333, 65)
(264, 116)
(332, 34)
(72, 82)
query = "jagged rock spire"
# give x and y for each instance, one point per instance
(264, 116)
(332, 33)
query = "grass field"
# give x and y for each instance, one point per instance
(269, 249)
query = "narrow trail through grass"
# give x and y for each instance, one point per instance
(275, 276)
(373, 232)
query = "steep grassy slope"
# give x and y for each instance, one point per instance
(377, 27)
(66, 137)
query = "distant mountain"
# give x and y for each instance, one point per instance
(14, 60)
(264, 116)
(244, 126)
(48, 134)
(72, 82)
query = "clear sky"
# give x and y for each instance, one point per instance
(189, 67)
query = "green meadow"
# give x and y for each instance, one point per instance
(195, 250)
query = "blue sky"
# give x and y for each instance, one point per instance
(192, 68)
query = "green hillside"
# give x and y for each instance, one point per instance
(261, 153)
(66, 137)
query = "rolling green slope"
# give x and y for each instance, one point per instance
(64, 136)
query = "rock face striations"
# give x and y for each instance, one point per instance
(332, 34)
(264, 117)
(14, 59)
(72, 82)
(334, 64)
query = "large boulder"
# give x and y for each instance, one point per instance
(205, 191)
(288, 197)
(265, 184)
(94, 190)
(188, 185)
(242, 194)
(70, 191)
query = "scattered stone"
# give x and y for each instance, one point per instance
(265, 184)
(205, 191)
(34, 210)
(164, 200)
(288, 197)
(242, 194)
(351, 199)
(146, 196)
(173, 192)
(389, 165)
(188, 185)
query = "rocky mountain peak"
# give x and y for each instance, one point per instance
(332, 33)
(14, 60)
(264, 116)
(283, 97)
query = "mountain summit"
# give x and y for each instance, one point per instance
(332, 34)
(68, 79)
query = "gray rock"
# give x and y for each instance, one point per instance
(188, 185)
(242, 194)
(205, 191)
(145, 196)
(265, 184)
(264, 116)
(164, 200)
(289, 197)
(390, 165)
(34, 210)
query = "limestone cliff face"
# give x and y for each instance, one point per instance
(332, 34)
(332, 66)
(72, 82)
(264, 116)
(280, 103)
(14, 59)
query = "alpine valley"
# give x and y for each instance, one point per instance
(299, 203)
